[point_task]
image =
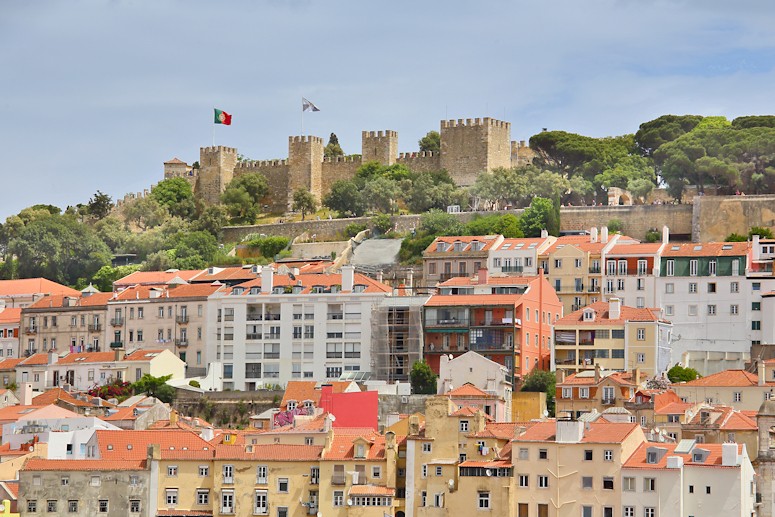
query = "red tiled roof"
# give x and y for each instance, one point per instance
(35, 360)
(469, 390)
(465, 281)
(602, 316)
(646, 248)
(343, 446)
(470, 411)
(34, 286)
(130, 445)
(226, 274)
(56, 394)
(325, 280)
(575, 379)
(673, 408)
(705, 249)
(598, 432)
(726, 417)
(274, 452)
(487, 240)
(143, 354)
(57, 301)
(503, 430)
(10, 364)
(730, 378)
(10, 315)
(39, 464)
(13, 488)
(301, 391)
(87, 357)
(175, 160)
(638, 458)
(155, 277)
(143, 292)
(372, 490)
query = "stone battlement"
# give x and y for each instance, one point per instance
(305, 139)
(342, 159)
(253, 164)
(218, 148)
(379, 134)
(469, 122)
(417, 154)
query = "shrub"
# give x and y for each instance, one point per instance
(653, 235)
(381, 223)
(615, 225)
(194, 383)
(269, 246)
(353, 229)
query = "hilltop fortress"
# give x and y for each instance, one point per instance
(468, 147)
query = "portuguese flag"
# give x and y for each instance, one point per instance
(221, 117)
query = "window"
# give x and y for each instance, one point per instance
(588, 455)
(608, 483)
(641, 358)
(227, 501)
(464, 426)
(543, 481)
(228, 474)
(756, 286)
(376, 472)
(261, 471)
(171, 496)
(692, 287)
(692, 310)
(557, 263)
(427, 446)
(543, 454)
(649, 512)
(204, 471)
(608, 455)
(734, 287)
(524, 453)
(65, 480)
(438, 500)
(670, 267)
(583, 393)
(628, 484)
(693, 267)
(756, 306)
(649, 484)
(737, 396)
(51, 505)
(707, 490)
(282, 485)
(202, 497)
(711, 310)
(339, 498)
(425, 471)
(567, 393)
(712, 287)
(586, 482)
(577, 263)
(628, 511)
(95, 481)
(32, 506)
(261, 507)
(439, 471)
(172, 471)
(641, 284)
(669, 288)
(524, 480)
(734, 309)
(72, 506)
(103, 506)
(691, 489)
(641, 334)
(756, 325)
(484, 500)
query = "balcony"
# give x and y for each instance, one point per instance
(338, 479)
(117, 321)
(576, 307)
(272, 335)
(335, 316)
(95, 328)
(181, 319)
(117, 344)
(491, 347)
(253, 337)
(446, 276)
(182, 342)
(452, 322)
(255, 316)
(565, 361)
(593, 289)
(512, 269)
(433, 348)
(594, 270)
(609, 402)
(31, 330)
(495, 322)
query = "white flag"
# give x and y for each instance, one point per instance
(308, 106)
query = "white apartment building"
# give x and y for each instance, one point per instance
(689, 479)
(518, 256)
(631, 273)
(284, 327)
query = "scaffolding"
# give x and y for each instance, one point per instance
(396, 330)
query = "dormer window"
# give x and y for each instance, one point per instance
(297, 289)
(459, 246)
(360, 450)
(651, 457)
(441, 246)
(589, 315)
(278, 290)
(359, 288)
(317, 289)
(291, 405)
(476, 245)
(255, 290)
(238, 291)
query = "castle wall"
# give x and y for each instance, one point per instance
(305, 160)
(423, 161)
(338, 168)
(472, 146)
(216, 171)
(636, 219)
(276, 173)
(380, 146)
(715, 217)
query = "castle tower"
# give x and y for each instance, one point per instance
(216, 169)
(472, 146)
(765, 461)
(380, 146)
(305, 165)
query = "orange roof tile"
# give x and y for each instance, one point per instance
(308, 281)
(56, 394)
(10, 364)
(705, 249)
(673, 408)
(39, 464)
(13, 488)
(503, 430)
(727, 378)
(57, 301)
(575, 379)
(175, 160)
(35, 360)
(372, 490)
(465, 281)
(131, 445)
(343, 447)
(223, 274)
(638, 458)
(469, 390)
(487, 240)
(598, 432)
(274, 452)
(143, 354)
(10, 315)
(602, 316)
(645, 248)
(301, 391)
(470, 411)
(34, 286)
(87, 357)
(144, 292)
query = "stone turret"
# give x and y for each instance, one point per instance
(305, 161)
(216, 170)
(380, 146)
(472, 146)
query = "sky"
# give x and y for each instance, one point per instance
(97, 95)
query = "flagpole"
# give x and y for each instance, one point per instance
(302, 116)
(213, 134)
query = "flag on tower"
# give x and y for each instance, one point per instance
(221, 117)
(308, 106)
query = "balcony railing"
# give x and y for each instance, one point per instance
(253, 336)
(338, 479)
(512, 269)
(181, 319)
(433, 348)
(575, 307)
(496, 322)
(490, 347)
(255, 316)
(95, 328)
(117, 344)
(560, 360)
(117, 322)
(594, 270)
(452, 322)
(609, 402)
(446, 276)
(31, 330)
(181, 342)
(593, 289)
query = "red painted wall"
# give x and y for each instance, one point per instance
(358, 409)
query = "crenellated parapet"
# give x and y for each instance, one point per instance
(470, 122)
(342, 159)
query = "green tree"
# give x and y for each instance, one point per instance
(112, 231)
(380, 194)
(194, 249)
(345, 198)
(268, 246)
(430, 142)
(304, 202)
(433, 190)
(103, 279)
(653, 134)
(176, 195)
(754, 121)
(100, 205)
(736, 237)
(333, 148)
(762, 232)
(541, 381)
(506, 225)
(615, 225)
(381, 223)
(423, 379)
(680, 374)
(144, 213)
(212, 219)
(242, 197)
(539, 216)
(155, 387)
(436, 222)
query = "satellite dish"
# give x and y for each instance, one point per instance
(451, 483)
(451, 357)
(349, 502)
(320, 514)
(546, 413)
(488, 472)
(656, 429)
(291, 276)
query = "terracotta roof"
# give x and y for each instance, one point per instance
(34, 286)
(525, 241)
(673, 408)
(39, 464)
(10, 315)
(469, 390)
(226, 274)
(588, 378)
(638, 458)
(143, 354)
(645, 248)
(726, 418)
(131, 445)
(308, 281)
(705, 249)
(274, 452)
(19, 412)
(87, 357)
(35, 360)
(10, 364)
(13, 488)
(57, 301)
(602, 316)
(56, 394)
(465, 281)
(343, 446)
(730, 378)
(301, 391)
(446, 300)
(470, 411)
(598, 432)
(5, 450)
(503, 430)
(155, 277)
(487, 240)
(372, 490)
(491, 464)
(175, 160)
(144, 292)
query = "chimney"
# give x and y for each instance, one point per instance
(604, 234)
(484, 276)
(569, 431)
(53, 358)
(117, 354)
(544, 233)
(409, 278)
(665, 235)
(614, 309)
(414, 425)
(593, 235)
(761, 372)
(379, 276)
(636, 376)
(26, 394)
(348, 278)
(267, 279)
(675, 462)
(597, 374)
(729, 455)
(173, 417)
(755, 250)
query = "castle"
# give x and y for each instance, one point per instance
(468, 147)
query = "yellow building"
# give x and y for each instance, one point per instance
(595, 390)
